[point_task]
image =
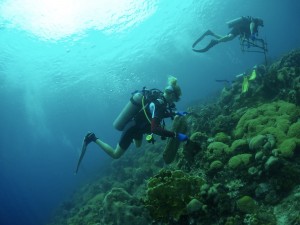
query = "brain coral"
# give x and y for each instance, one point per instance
(272, 118)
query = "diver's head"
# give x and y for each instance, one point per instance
(259, 22)
(172, 92)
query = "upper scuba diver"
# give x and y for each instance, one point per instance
(143, 114)
(245, 27)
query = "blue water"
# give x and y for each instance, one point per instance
(65, 70)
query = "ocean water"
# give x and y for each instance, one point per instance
(69, 66)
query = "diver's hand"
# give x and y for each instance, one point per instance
(181, 137)
(181, 113)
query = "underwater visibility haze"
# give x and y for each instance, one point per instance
(68, 67)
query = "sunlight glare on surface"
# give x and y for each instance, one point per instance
(56, 19)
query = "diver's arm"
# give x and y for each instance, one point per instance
(157, 129)
(155, 123)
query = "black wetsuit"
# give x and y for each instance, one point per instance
(139, 125)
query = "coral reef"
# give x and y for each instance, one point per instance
(170, 192)
(240, 166)
(119, 207)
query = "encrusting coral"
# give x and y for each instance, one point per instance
(170, 192)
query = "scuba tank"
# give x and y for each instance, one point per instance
(234, 22)
(137, 103)
(129, 111)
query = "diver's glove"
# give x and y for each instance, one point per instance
(181, 137)
(181, 113)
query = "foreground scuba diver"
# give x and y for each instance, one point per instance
(245, 27)
(144, 114)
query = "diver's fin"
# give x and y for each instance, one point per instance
(210, 45)
(171, 148)
(83, 150)
(208, 32)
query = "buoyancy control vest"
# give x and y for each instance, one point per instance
(137, 108)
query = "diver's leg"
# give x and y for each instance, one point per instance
(138, 138)
(125, 141)
(226, 38)
(138, 142)
(215, 35)
(213, 42)
(114, 153)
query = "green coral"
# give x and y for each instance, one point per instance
(238, 160)
(287, 147)
(272, 118)
(279, 135)
(217, 149)
(198, 137)
(193, 206)
(239, 145)
(169, 193)
(257, 142)
(246, 204)
(294, 130)
(222, 137)
(119, 207)
(233, 220)
(194, 146)
(215, 165)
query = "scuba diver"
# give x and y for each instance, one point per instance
(245, 27)
(143, 114)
